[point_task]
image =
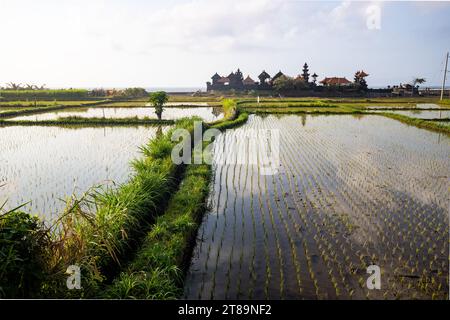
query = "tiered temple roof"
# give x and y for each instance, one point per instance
(263, 76)
(249, 81)
(223, 80)
(215, 77)
(362, 74)
(279, 74)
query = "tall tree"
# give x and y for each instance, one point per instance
(283, 84)
(415, 84)
(158, 99)
(305, 74)
(418, 81)
(14, 86)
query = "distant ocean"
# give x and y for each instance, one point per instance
(152, 89)
(175, 89)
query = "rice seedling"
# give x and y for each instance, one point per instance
(347, 209)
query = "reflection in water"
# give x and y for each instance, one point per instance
(349, 193)
(208, 114)
(45, 164)
(217, 112)
(303, 116)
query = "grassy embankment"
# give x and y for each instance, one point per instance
(158, 270)
(296, 107)
(190, 98)
(304, 110)
(81, 121)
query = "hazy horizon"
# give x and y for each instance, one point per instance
(182, 43)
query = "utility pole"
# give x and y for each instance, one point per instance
(445, 76)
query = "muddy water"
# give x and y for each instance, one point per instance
(350, 192)
(46, 164)
(208, 114)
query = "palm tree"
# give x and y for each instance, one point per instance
(416, 82)
(14, 86)
(419, 81)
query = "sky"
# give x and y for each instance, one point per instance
(182, 43)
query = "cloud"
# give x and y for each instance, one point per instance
(216, 26)
(181, 42)
(230, 25)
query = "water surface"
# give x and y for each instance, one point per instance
(350, 191)
(45, 164)
(421, 114)
(422, 106)
(208, 114)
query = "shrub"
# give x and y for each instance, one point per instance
(22, 256)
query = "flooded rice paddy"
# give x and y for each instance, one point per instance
(208, 114)
(420, 114)
(181, 103)
(421, 106)
(46, 164)
(347, 195)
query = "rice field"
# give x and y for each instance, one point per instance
(208, 114)
(420, 114)
(46, 164)
(347, 195)
(128, 104)
(285, 110)
(421, 106)
(184, 103)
